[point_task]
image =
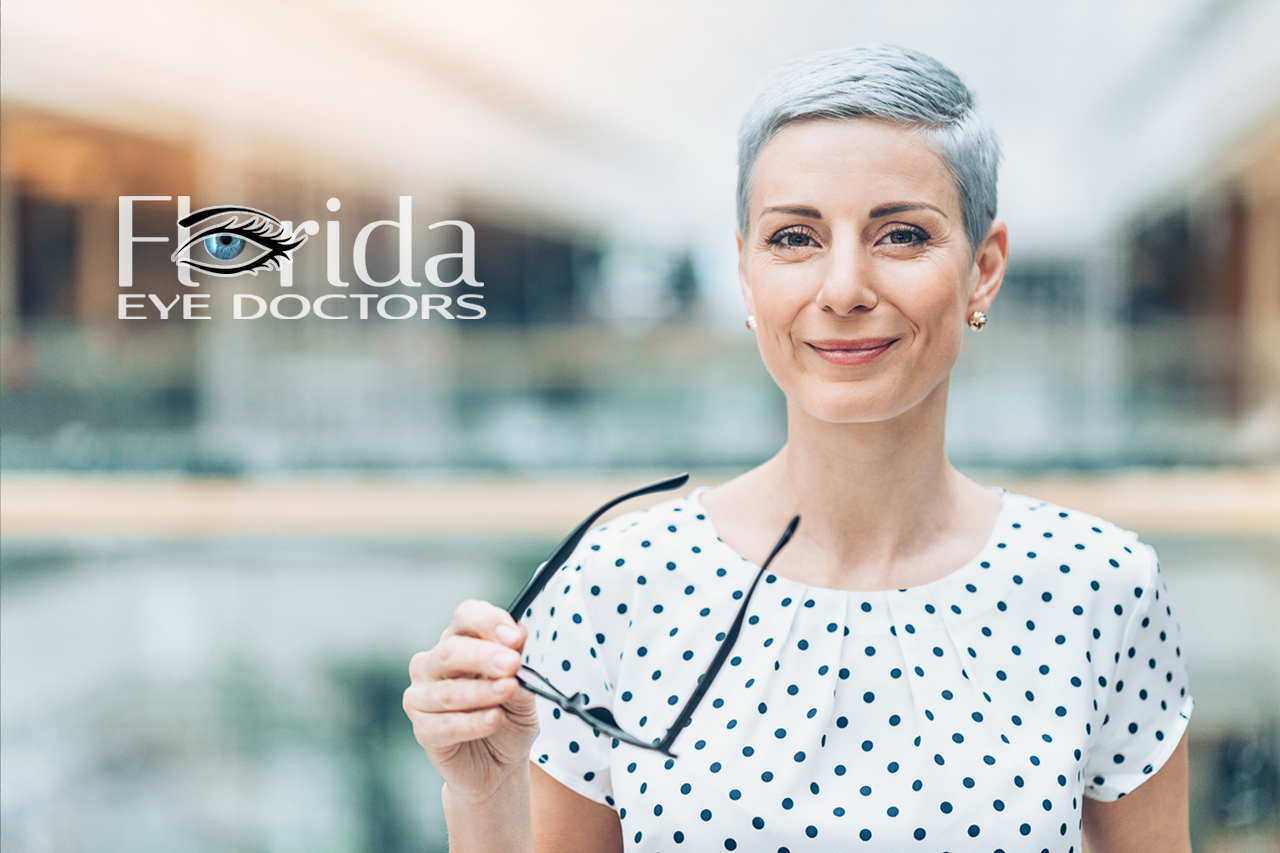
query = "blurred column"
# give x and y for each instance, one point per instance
(1102, 356)
(97, 287)
(1260, 305)
(225, 377)
(8, 258)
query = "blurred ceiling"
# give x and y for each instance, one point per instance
(621, 116)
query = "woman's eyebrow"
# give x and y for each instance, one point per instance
(793, 210)
(902, 207)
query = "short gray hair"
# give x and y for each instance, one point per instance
(884, 82)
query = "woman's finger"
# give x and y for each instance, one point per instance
(445, 730)
(459, 694)
(462, 656)
(485, 621)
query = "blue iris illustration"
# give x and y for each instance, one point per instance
(224, 247)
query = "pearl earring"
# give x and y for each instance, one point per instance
(751, 322)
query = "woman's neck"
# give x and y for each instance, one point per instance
(881, 506)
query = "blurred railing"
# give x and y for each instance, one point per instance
(1029, 393)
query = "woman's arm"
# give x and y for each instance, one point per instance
(498, 822)
(476, 726)
(564, 821)
(1153, 818)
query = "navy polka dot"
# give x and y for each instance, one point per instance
(964, 674)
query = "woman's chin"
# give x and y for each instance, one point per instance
(857, 403)
(840, 406)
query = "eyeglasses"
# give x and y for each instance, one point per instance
(600, 718)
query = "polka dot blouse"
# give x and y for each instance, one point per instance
(969, 714)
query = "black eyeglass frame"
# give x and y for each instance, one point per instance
(599, 718)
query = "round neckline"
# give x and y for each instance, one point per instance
(983, 557)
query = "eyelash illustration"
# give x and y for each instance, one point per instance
(227, 240)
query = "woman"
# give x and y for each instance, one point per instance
(929, 664)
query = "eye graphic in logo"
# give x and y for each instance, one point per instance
(227, 238)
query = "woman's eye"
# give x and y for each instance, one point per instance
(905, 236)
(792, 239)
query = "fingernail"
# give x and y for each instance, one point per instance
(498, 686)
(503, 661)
(506, 634)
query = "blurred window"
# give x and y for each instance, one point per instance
(48, 243)
(1187, 263)
(529, 278)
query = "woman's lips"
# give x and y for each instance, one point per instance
(846, 353)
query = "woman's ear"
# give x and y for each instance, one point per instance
(989, 264)
(742, 276)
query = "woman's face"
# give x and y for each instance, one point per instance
(857, 269)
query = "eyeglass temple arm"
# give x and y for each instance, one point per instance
(605, 725)
(566, 546)
(726, 647)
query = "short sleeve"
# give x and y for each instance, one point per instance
(1148, 704)
(565, 648)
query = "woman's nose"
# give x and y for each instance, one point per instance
(847, 286)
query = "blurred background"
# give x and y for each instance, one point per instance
(222, 541)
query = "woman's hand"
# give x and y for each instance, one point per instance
(468, 712)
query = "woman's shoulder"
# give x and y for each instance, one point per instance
(635, 539)
(640, 531)
(1040, 528)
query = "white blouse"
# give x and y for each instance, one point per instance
(971, 713)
